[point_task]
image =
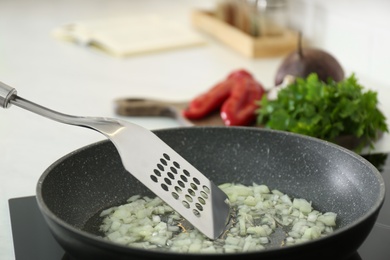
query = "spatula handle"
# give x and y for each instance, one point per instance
(6, 94)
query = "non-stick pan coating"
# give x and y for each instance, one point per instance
(74, 189)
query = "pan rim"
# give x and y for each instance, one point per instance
(139, 251)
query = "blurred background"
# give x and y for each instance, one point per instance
(72, 56)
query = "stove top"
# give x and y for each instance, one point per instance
(33, 240)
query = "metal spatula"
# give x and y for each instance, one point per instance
(153, 163)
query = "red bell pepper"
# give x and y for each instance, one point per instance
(212, 100)
(208, 102)
(239, 109)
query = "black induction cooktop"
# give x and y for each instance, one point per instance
(33, 240)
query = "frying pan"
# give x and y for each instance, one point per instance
(73, 190)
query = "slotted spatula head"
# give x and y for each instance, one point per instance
(173, 179)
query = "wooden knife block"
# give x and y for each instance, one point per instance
(252, 47)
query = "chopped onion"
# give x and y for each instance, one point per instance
(258, 213)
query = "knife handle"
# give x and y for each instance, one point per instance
(147, 107)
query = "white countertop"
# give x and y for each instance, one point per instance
(81, 81)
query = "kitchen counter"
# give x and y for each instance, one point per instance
(83, 81)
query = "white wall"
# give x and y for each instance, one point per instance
(356, 32)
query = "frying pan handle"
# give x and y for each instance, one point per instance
(6, 94)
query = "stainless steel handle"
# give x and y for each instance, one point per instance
(106, 126)
(6, 94)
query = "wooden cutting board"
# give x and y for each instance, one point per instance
(159, 108)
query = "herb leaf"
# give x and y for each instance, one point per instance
(325, 110)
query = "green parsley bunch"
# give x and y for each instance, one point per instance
(326, 110)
